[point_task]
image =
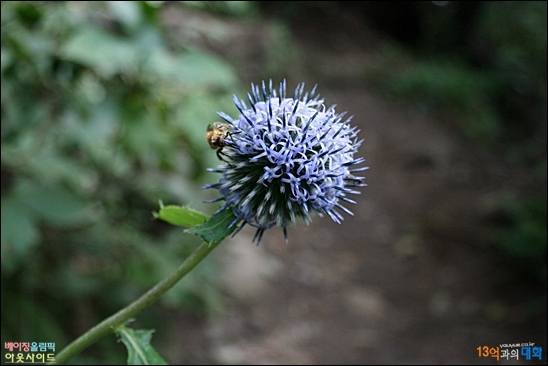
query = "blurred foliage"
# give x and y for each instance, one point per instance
(525, 236)
(100, 120)
(485, 64)
(229, 8)
(456, 88)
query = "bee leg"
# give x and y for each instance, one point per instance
(220, 155)
(354, 181)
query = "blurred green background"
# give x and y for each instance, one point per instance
(104, 111)
(101, 118)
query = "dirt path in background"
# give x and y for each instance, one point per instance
(410, 279)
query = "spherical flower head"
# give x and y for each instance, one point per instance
(287, 158)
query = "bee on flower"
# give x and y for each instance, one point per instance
(289, 157)
(216, 136)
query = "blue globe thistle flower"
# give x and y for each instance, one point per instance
(288, 157)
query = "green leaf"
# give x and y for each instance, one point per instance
(137, 342)
(55, 203)
(126, 12)
(180, 215)
(195, 69)
(217, 228)
(105, 53)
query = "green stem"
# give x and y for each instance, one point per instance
(107, 326)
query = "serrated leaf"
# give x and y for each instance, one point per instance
(181, 215)
(137, 342)
(217, 228)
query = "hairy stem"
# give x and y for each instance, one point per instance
(107, 326)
